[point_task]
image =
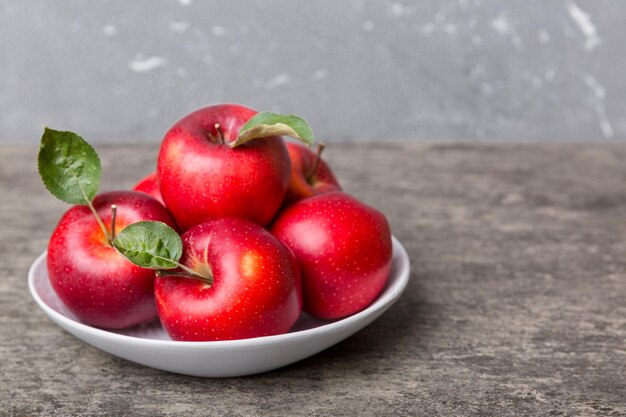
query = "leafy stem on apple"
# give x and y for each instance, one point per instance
(100, 223)
(183, 274)
(268, 124)
(70, 169)
(155, 245)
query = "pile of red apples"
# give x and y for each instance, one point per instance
(266, 233)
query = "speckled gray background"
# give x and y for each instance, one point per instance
(466, 70)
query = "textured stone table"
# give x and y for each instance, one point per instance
(516, 305)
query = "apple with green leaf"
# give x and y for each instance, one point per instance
(226, 279)
(227, 161)
(99, 285)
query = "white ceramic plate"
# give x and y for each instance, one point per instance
(149, 345)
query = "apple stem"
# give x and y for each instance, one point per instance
(316, 163)
(100, 223)
(220, 133)
(113, 216)
(186, 273)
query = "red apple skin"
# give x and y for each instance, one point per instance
(256, 289)
(150, 186)
(201, 179)
(301, 183)
(344, 250)
(99, 285)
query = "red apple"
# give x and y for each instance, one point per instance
(255, 289)
(309, 173)
(344, 250)
(201, 177)
(150, 186)
(99, 285)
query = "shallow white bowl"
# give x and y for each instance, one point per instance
(149, 345)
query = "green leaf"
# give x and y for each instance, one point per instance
(152, 245)
(69, 167)
(273, 124)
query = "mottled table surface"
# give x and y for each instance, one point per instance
(516, 304)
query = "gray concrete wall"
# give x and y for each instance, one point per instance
(466, 70)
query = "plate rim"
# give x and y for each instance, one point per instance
(379, 304)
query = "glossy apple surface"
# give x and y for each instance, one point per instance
(255, 290)
(150, 186)
(344, 250)
(202, 178)
(307, 178)
(99, 285)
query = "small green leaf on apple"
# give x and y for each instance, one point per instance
(69, 167)
(149, 244)
(155, 245)
(273, 124)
